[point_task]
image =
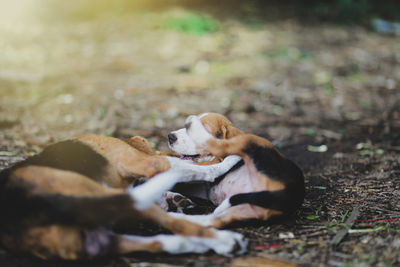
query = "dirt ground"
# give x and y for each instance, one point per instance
(328, 96)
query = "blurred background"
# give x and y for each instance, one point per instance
(72, 67)
(321, 79)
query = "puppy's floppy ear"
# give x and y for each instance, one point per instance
(228, 131)
(140, 144)
(221, 134)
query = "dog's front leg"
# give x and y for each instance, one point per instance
(180, 171)
(190, 172)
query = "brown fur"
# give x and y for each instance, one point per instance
(127, 160)
(219, 126)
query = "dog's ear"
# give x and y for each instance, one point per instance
(221, 134)
(140, 144)
(228, 131)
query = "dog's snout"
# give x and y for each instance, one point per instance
(172, 138)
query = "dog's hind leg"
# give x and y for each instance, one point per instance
(232, 214)
(160, 243)
(242, 212)
(71, 243)
(222, 242)
(103, 242)
(62, 242)
(173, 244)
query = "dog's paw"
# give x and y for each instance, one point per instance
(175, 202)
(222, 207)
(231, 160)
(196, 130)
(229, 243)
(225, 242)
(179, 203)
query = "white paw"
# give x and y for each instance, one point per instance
(175, 244)
(229, 243)
(226, 243)
(222, 207)
(196, 131)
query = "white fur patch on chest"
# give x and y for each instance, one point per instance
(236, 182)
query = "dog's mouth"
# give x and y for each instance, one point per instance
(190, 157)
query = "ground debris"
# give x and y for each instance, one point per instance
(259, 262)
(349, 223)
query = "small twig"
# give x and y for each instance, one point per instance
(349, 223)
(344, 216)
(369, 230)
(319, 233)
(388, 212)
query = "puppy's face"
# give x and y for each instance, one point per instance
(216, 124)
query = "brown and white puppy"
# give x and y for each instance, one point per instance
(217, 125)
(65, 201)
(263, 185)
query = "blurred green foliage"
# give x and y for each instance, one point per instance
(312, 217)
(193, 23)
(368, 150)
(311, 132)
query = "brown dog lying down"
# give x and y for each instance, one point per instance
(263, 185)
(64, 202)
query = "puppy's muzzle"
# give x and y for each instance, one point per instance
(172, 138)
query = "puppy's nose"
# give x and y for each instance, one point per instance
(172, 138)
